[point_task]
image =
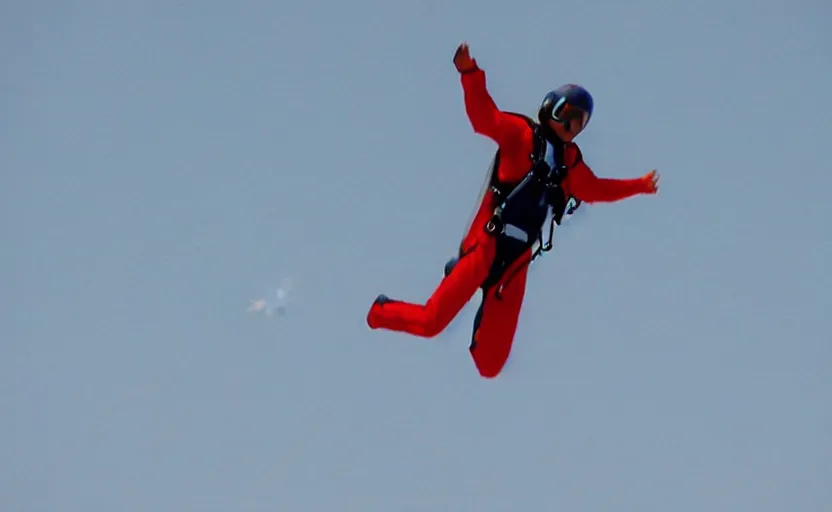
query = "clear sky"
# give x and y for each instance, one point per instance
(165, 162)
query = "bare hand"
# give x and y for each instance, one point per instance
(463, 60)
(652, 180)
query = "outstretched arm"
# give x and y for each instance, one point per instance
(585, 185)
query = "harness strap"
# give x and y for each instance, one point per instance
(541, 248)
(551, 177)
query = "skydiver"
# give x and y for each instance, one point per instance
(540, 163)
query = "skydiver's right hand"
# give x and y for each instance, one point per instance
(462, 59)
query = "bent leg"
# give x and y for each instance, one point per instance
(496, 320)
(454, 291)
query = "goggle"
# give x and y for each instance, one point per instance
(564, 113)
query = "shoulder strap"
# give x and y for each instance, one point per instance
(560, 170)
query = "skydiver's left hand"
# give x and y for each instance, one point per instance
(652, 181)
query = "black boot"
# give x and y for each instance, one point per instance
(450, 264)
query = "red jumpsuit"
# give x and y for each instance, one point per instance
(497, 319)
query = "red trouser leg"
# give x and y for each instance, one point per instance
(497, 319)
(429, 319)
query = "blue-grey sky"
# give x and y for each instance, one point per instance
(165, 162)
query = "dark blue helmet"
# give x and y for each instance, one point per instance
(565, 103)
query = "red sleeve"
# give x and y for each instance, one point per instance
(582, 183)
(510, 132)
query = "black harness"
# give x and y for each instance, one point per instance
(523, 207)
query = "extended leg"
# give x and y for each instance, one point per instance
(496, 320)
(447, 300)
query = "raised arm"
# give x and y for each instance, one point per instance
(486, 118)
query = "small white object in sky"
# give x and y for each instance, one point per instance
(277, 304)
(256, 305)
